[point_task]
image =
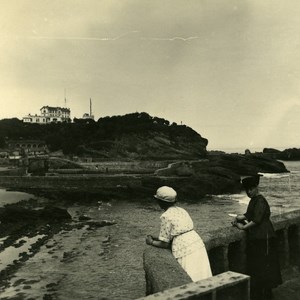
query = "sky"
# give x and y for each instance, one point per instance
(228, 69)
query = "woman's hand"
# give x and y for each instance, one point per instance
(149, 240)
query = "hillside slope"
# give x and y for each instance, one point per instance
(132, 136)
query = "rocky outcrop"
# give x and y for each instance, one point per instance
(248, 164)
(218, 174)
(287, 154)
(193, 179)
(18, 214)
(184, 143)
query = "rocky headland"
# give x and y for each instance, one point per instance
(127, 157)
(287, 154)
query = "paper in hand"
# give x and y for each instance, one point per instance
(232, 215)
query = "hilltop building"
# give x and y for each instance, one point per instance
(89, 116)
(49, 114)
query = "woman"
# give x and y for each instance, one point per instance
(177, 231)
(262, 261)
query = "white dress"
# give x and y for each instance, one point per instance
(187, 246)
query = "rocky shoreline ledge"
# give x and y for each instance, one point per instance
(193, 179)
(27, 226)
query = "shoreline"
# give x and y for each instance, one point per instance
(83, 262)
(106, 262)
(22, 244)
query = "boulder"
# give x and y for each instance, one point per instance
(218, 174)
(54, 214)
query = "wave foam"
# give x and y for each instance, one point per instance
(275, 175)
(240, 198)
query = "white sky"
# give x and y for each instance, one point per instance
(228, 69)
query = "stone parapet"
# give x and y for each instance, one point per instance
(82, 182)
(226, 251)
(225, 286)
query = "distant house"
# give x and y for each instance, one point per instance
(29, 147)
(87, 116)
(49, 114)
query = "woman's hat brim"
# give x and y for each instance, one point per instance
(165, 199)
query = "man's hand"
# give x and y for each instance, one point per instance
(240, 226)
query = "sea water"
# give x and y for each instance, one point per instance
(10, 197)
(281, 189)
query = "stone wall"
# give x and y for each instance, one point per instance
(225, 286)
(226, 251)
(132, 167)
(69, 182)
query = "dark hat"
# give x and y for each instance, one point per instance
(250, 182)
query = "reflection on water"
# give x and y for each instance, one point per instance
(21, 247)
(9, 197)
(2, 240)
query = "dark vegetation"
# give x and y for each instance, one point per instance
(136, 136)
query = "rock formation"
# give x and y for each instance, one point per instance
(287, 154)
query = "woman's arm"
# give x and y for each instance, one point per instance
(240, 218)
(245, 226)
(157, 243)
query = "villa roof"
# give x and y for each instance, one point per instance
(53, 108)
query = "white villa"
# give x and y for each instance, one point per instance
(49, 114)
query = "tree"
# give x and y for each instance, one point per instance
(2, 141)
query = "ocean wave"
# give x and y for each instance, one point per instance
(275, 175)
(240, 198)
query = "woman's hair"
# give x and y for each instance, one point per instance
(165, 205)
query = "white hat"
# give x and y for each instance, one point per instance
(166, 194)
